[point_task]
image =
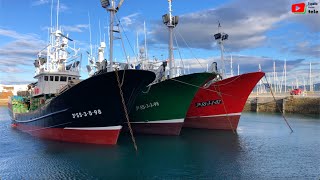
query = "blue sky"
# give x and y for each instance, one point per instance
(260, 32)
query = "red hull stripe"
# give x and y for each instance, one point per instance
(94, 136)
(95, 128)
(218, 122)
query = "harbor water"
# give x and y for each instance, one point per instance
(263, 148)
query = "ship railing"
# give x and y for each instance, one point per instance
(68, 86)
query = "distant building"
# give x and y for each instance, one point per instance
(9, 90)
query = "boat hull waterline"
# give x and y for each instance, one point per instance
(89, 112)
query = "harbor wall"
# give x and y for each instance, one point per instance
(288, 104)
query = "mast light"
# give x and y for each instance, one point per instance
(166, 18)
(221, 36)
(105, 3)
(175, 20)
(225, 37)
(217, 36)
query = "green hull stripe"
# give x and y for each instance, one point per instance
(168, 99)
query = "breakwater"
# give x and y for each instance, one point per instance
(286, 104)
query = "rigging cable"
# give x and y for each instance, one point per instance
(125, 35)
(278, 105)
(175, 37)
(190, 49)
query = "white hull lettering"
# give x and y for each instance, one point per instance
(208, 103)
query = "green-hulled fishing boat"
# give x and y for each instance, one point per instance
(163, 107)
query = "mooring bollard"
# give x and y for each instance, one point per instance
(284, 105)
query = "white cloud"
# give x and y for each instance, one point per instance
(247, 22)
(15, 35)
(39, 2)
(21, 50)
(75, 28)
(130, 19)
(62, 7)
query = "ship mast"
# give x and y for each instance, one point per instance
(111, 7)
(220, 38)
(112, 11)
(171, 22)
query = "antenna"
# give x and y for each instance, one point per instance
(51, 13)
(231, 68)
(285, 75)
(274, 76)
(100, 30)
(310, 79)
(58, 15)
(145, 40)
(90, 35)
(138, 45)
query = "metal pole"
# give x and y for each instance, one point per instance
(170, 26)
(145, 41)
(310, 79)
(238, 69)
(171, 52)
(285, 75)
(112, 12)
(222, 60)
(231, 67)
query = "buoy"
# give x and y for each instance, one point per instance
(13, 125)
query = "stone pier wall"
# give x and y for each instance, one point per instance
(290, 104)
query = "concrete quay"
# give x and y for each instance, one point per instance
(307, 103)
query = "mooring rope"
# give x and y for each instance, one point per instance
(225, 109)
(278, 105)
(126, 111)
(216, 91)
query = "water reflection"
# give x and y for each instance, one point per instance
(263, 148)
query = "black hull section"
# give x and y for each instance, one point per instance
(94, 102)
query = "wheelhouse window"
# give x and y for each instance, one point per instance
(69, 78)
(63, 78)
(51, 78)
(56, 78)
(45, 78)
